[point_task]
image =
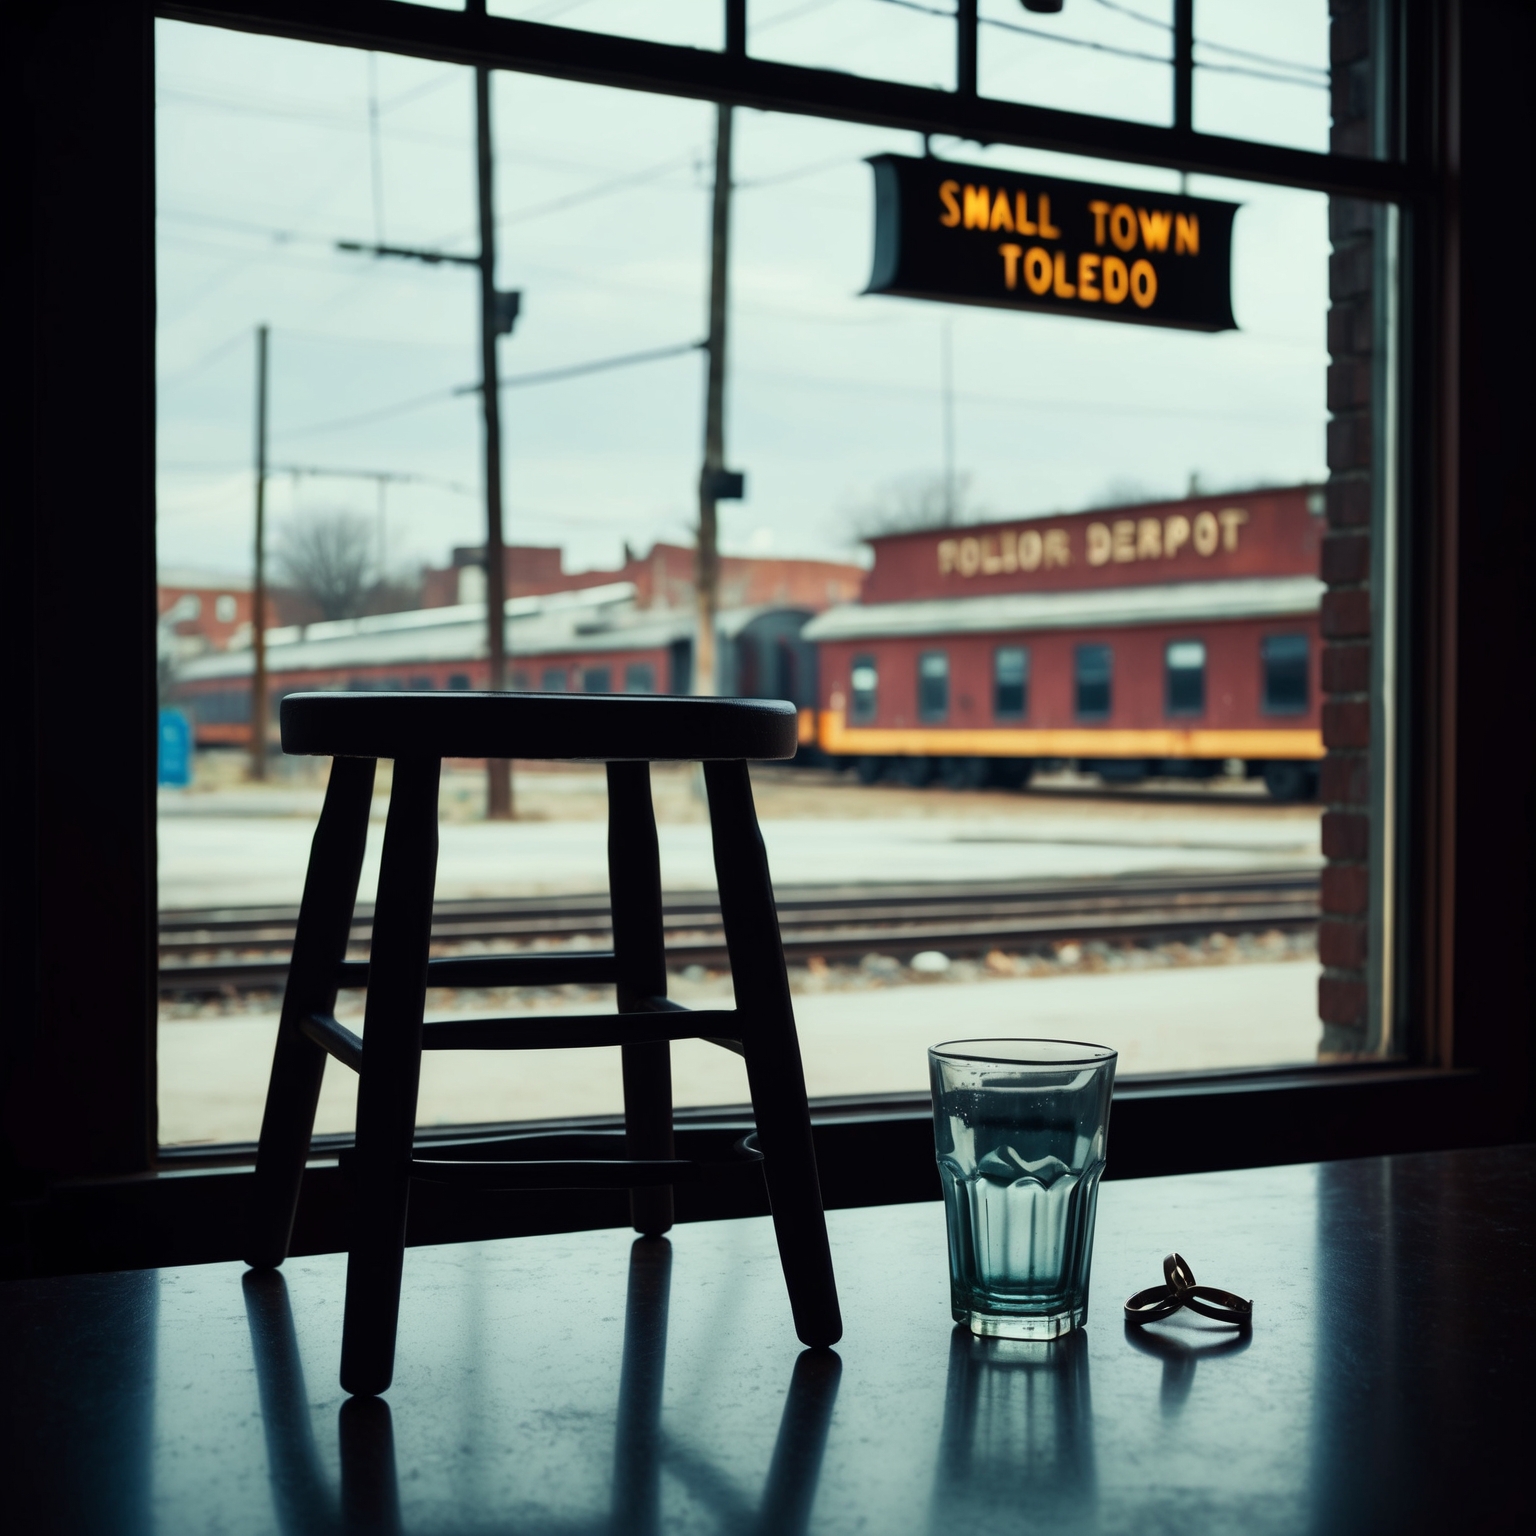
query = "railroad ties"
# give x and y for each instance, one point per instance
(208, 953)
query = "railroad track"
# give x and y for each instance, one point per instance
(241, 949)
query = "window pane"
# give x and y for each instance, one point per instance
(1285, 660)
(597, 680)
(640, 677)
(1112, 60)
(1010, 686)
(1093, 665)
(933, 685)
(1186, 677)
(1263, 71)
(554, 680)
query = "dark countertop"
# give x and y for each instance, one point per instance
(558, 1385)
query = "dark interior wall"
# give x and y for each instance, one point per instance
(1486, 560)
(78, 796)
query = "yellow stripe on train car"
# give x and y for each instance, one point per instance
(842, 740)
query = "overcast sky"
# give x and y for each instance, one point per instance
(266, 158)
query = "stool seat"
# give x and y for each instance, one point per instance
(627, 733)
(569, 726)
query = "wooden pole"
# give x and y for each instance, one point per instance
(498, 787)
(707, 574)
(259, 709)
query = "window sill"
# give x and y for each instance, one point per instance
(189, 1209)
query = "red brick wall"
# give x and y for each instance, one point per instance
(1346, 562)
(216, 632)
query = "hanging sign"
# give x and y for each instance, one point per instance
(971, 234)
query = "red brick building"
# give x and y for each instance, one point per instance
(663, 578)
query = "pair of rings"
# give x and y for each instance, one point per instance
(1159, 1301)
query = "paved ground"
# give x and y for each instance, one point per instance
(213, 1072)
(240, 845)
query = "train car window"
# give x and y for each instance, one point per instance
(1185, 673)
(1010, 682)
(553, 680)
(520, 680)
(1286, 689)
(639, 677)
(422, 684)
(1094, 670)
(597, 680)
(458, 680)
(864, 686)
(933, 685)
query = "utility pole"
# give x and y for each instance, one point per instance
(498, 786)
(259, 584)
(716, 483)
(498, 314)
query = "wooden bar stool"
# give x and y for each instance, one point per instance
(418, 730)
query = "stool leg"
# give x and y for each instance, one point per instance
(772, 1051)
(298, 1064)
(634, 887)
(386, 1090)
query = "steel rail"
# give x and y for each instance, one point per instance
(831, 924)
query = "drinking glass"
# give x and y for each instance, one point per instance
(1021, 1128)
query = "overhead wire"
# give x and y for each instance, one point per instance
(1117, 51)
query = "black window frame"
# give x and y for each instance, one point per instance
(79, 1120)
(999, 712)
(930, 709)
(1080, 653)
(1181, 711)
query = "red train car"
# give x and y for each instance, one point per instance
(595, 640)
(1167, 639)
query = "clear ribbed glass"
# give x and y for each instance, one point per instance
(1021, 1127)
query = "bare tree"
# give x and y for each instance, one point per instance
(914, 502)
(327, 560)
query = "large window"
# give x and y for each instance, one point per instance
(340, 214)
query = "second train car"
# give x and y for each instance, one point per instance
(1168, 639)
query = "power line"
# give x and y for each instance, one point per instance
(1118, 52)
(388, 476)
(1200, 42)
(176, 380)
(343, 423)
(516, 381)
(598, 365)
